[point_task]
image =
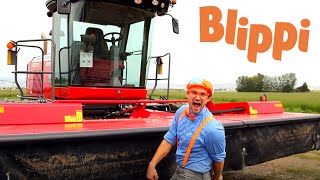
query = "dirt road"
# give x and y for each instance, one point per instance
(304, 166)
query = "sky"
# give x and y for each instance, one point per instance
(219, 62)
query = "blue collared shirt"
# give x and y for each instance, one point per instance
(209, 146)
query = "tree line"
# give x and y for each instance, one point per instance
(263, 83)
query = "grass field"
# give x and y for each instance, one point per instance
(292, 102)
(304, 166)
(9, 93)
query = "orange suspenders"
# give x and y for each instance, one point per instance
(194, 137)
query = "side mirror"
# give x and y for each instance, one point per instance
(175, 25)
(61, 33)
(63, 6)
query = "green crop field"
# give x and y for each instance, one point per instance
(292, 102)
(9, 93)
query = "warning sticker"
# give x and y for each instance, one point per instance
(86, 59)
(70, 119)
(79, 115)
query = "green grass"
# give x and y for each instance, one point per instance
(9, 94)
(315, 155)
(302, 172)
(292, 102)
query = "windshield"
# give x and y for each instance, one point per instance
(102, 44)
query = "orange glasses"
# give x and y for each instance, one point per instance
(194, 93)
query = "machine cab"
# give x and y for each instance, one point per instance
(102, 47)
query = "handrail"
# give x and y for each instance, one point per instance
(33, 72)
(42, 72)
(156, 78)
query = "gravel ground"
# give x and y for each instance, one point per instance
(304, 166)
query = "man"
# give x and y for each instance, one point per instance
(193, 126)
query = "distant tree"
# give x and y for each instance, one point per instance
(263, 83)
(245, 84)
(258, 82)
(270, 84)
(303, 88)
(241, 83)
(250, 84)
(288, 82)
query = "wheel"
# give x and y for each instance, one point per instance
(113, 39)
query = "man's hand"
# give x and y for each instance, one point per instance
(163, 150)
(152, 173)
(217, 170)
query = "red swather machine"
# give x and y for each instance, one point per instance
(87, 115)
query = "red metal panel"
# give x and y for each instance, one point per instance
(119, 101)
(39, 113)
(230, 105)
(156, 119)
(100, 93)
(250, 107)
(265, 107)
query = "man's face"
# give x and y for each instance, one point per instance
(197, 98)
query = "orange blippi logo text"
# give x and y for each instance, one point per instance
(284, 37)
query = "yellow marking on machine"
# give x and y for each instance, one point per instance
(1, 109)
(79, 116)
(279, 105)
(69, 119)
(253, 111)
